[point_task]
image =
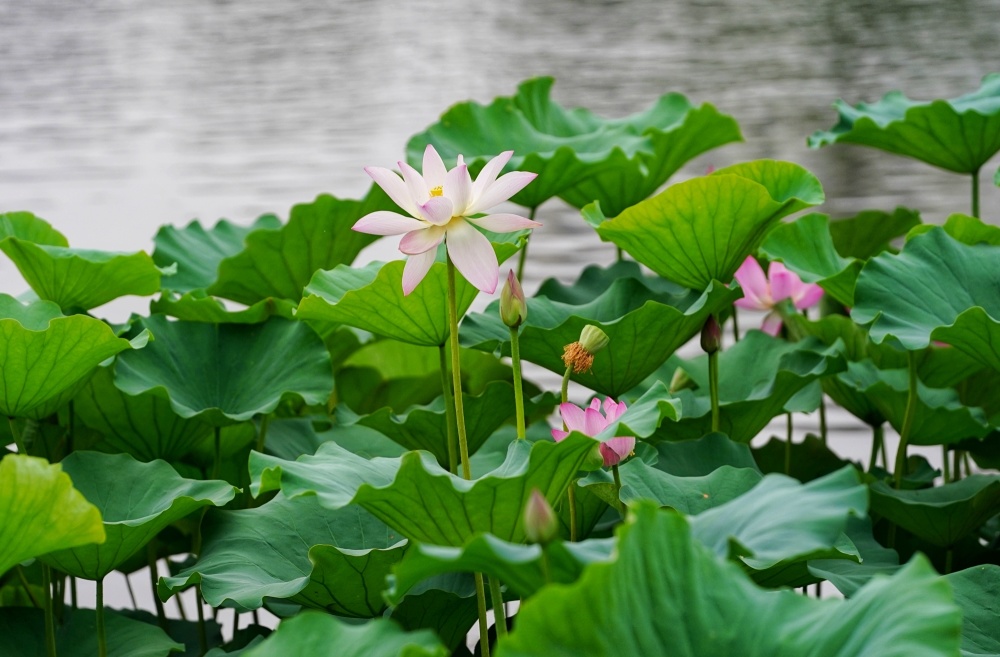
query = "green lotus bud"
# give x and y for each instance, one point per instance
(580, 355)
(513, 307)
(711, 335)
(540, 522)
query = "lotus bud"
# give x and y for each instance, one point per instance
(513, 307)
(580, 355)
(680, 381)
(711, 335)
(540, 522)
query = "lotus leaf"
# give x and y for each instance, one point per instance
(23, 631)
(28, 227)
(319, 635)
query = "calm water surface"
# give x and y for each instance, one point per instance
(117, 116)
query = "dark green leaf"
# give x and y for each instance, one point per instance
(977, 592)
(319, 635)
(23, 631)
(869, 232)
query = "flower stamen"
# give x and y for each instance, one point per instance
(437, 191)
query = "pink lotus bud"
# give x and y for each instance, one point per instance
(540, 522)
(513, 307)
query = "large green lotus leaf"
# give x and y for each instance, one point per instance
(578, 155)
(936, 289)
(82, 279)
(198, 306)
(136, 501)
(757, 377)
(959, 135)
(869, 232)
(371, 297)
(41, 511)
(280, 262)
(943, 514)
(967, 230)
(295, 550)
(397, 490)
(977, 592)
(445, 604)
(689, 495)
(780, 523)
(667, 595)
(28, 227)
(521, 568)
(426, 427)
(228, 373)
(645, 414)
(198, 252)
(23, 632)
(45, 357)
(848, 575)
(320, 635)
(806, 247)
(940, 418)
(142, 425)
(809, 459)
(645, 327)
(703, 229)
(703, 456)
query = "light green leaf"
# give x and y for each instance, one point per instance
(967, 230)
(702, 230)
(41, 511)
(197, 306)
(869, 232)
(959, 135)
(228, 373)
(689, 495)
(319, 635)
(665, 594)
(136, 501)
(295, 550)
(28, 227)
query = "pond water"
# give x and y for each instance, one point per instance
(117, 116)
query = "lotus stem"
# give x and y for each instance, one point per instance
(515, 360)
(975, 193)
(546, 565)
(736, 326)
(571, 491)
(878, 434)
(202, 632)
(50, 621)
(907, 429)
(261, 434)
(27, 588)
(618, 490)
(16, 433)
(102, 639)
(788, 444)
(131, 591)
(499, 614)
(449, 412)
(619, 253)
(968, 463)
(713, 387)
(217, 453)
(154, 577)
(949, 559)
(484, 629)
(71, 435)
(72, 592)
(945, 464)
(822, 419)
(523, 256)
(956, 463)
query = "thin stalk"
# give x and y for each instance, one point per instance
(484, 630)
(50, 621)
(449, 412)
(27, 588)
(822, 419)
(788, 444)
(16, 433)
(949, 559)
(571, 491)
(515, 360)
(131, 592)
(102, 639)
(71, 437)
(619, 253)
(261, 434)
(885, 456)
(975, 193)
(618, 490)
(523, 256)
(499, 617)
(713, 387)
(945, 463)
(911, 412)
(217, 455)
(968, 463)
(463, 441)
(72, 591)
(154, 576)
(546, 566)
(878, 433)
(956, 465)
(736, 326)
(202, 632)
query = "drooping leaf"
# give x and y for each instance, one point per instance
(849, 575)
(943, 514)
(702, 456)
(228, 373)
(279, 263)
(197, 252)
(645, 324)
(142, 425)
(136, 500)
(371, 298)
(320, 635)
(198, 306)
(869, 232)
(445, 604)
(45, 357)
(23, 631)
(41, 511)
(976, 593)
(295, 550)
(28, 227)
(665, 594)
(967, 230)
(959, 135)
(702, 230)
(578, 155)
(398, 491)
(689, 495)
(82, 279)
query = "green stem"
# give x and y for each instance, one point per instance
(72, 592)
(956, 465)
(713, 387)
(571, 491)
(523, 256)
(515, 360)
(949, 559)
(968, 463)
(50, 621)
(546, 566)
(131, 592)
(619, 253)
(499, 617)
(449, 412)
(217, 454)
(154, 577)
(16, 433)
(788, 444)
(102, 639)
(202, 631)
(565, 389)
(911, 412)
(736, 326)
(975, 193)
(885, 455)
(27, 588)
(945, 464)
(71, 437)
(822, 419)
(878, 433)
(618, 490)
(261, 434)
(484, 630)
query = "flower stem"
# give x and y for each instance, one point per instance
(27, 587)
(449, 412)
(515, 360)
(736, 326)
(50, 621)
(911, 412)
(618, 490)
(499, 614)
(154, 577)
(523, 256)
(546, 565)
(571, 491)
(788, 445)
(975, 193)
(102, 639)
(713, 387)
(217, 454)
(484, 629)
(822, 419)
(16, 433)
(202, 631)
(945, 463)
(262, 433)
(878, 433)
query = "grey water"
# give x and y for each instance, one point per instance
(117, 116)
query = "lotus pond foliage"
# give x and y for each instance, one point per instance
(358, 449)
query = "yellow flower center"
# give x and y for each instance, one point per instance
(437, 191)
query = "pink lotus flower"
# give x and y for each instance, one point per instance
(592, 422)
(765, 292)
(440, 204)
